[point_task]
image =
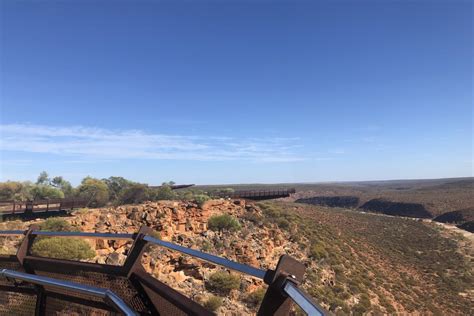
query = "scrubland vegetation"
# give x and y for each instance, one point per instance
(368, 263)
(223, 282)
(97, 192)
(223, 222)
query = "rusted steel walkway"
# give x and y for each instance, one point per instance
(30, 208)
(31, 285)
(258, 194)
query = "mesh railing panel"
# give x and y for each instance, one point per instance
(58, 307)
(17, 304)
(165, 307)
(119, 285)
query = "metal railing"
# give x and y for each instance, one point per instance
(28, 208)
(106, 295)
(282, 281)
(257, 194)
(302, 299)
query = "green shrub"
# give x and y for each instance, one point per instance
(63, 248)
(56, 225)
(164, 192)
(223, 222)
(283, 223)
(363, 306)
(206, 246)
(317, 251)
(213, 303)
(201, 199)
(254, 298)
(252, 217)
(223, 282)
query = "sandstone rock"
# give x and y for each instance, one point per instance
(115, 259)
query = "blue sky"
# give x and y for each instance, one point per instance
(236, 91)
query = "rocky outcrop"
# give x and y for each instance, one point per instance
(396, 208)
(332, 201)
(468, 226)
(185, 223)
(456, 217)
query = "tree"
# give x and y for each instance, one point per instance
(10, 189)
(42, 192)
(94, 191)
(134, 193)
(116, 185)
(169, 183)
(63, 185)
(43, 178)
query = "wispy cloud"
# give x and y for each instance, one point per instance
(337, 151)
(105, 144)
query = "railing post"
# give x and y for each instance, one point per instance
(133, 260)
(24, 248)
(23, 251)
(275, 302)
(29, 208)
(40, 308)
(133, 265)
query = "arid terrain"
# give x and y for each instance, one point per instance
(356, 262)
(406, 198)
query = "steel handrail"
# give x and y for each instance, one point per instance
(258, 273)
(302, 299)
(115, 236)
(289, 288)
(83, 235)
(12, 232)
(105, 294)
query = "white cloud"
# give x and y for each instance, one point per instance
(105, 144)
(337, 151)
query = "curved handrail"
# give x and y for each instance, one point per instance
(258, 273)
(104, 294)
(289, 288)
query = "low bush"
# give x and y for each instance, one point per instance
(201, 199)
(206, 246)
(62, 248)
(223, 282)
(56, 225)
(317, 251)
(213, 303)
(254, 298)
(223, 222)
